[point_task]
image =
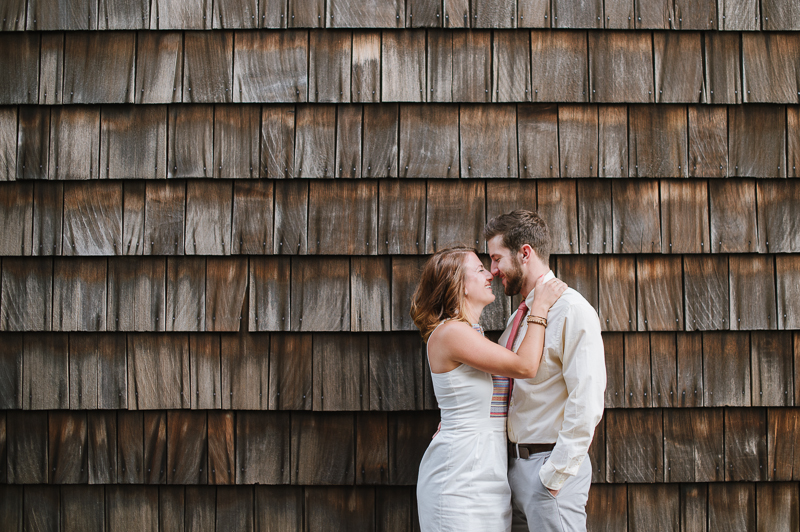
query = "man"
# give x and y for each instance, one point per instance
(552, 417)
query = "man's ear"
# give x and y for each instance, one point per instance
(527, 253)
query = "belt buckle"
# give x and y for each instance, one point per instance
(522, 454)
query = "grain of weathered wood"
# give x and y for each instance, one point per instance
(597, 453)
(617, 289)
(11, 357)
(429, 141)
(657, 141)
(278, 508)
(341, 372)
(130, 447)
(234, 507)
(237, 14)
(403, 66)
(511, 66)
(537, 131)
(401, 216)
(336, 431)
(200, 508)
(245, 372)
(102, 430)
(27, 293)
(187, 447)
(190, 15)
(778, 216)
(221, 448)
(13, 14)
(96, 371)
(370, 285)
(620, 67)
(307, 14)
(455, 215)
(664, 370)
(439, 83)
(208, 66)
(684, 216)
(348, 141)
(560, 66)
(708, 141)
(155, 447)
(133, 215)
(607, 506)
(768, 71)
(158, 371)
(186, 294)
(74, 143)
(262, 448)
(236, 138)
(726, 369)
(79, 294)
(752, 292)
(329, 66)
(190, 141)
(653, 505)
(16, 218)
(134, 507)
(159, 60)
(8, 143)
(619, 14)
(771, 362)
(723, 72)
(204, 361)
(82, 508)
(33, 143)
(226, 283)
(472, 66)
(99, 69)
(777, 506)
(678, 66)
(269, 294)
(21, 68)
(48, 209)
(659, 293)
(11, 505)
(580, 273)
(27, 447)
(780, 15)
(51, 68)
(133, 142)
(757, 141)
(613, 141)
(3, 460)
(290, 372)
(409, 435)
(339, 508)
(372, 448)
(67, 448)
(270, 66)
(277, 141)
(315, 141)
(739, 15)
(733, 216)
(787, 270)
(745, 444)
(706, 292)
(372, 14)
(92, 218)
(690, 370)
(693, 445)
(635, 206)
(393, 512)
(783, 451)
(171, 503)
(252, 227)
(396, 366)
(164, 216)
(342, 216)
(506, 195)
(558, 206)
(634, 445)
(484, 155)
(209, 213)
(405, 277)
(41, 508)
(136, 294)
(577, 140)
(583, 14)
(365, 75)
(291, 218)
(654, 15)
(456, 14)
(638, 391)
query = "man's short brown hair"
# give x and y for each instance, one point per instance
(518, 228)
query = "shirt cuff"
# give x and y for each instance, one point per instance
(552, 478)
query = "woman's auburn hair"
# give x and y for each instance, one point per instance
(440, 293)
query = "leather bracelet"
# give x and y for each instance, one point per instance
(538, 320)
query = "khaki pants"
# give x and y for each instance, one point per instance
(532, 503)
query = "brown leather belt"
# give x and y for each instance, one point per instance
(525, 450)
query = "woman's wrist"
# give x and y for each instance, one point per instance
(539, 310)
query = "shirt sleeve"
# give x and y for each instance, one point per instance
(584, 370)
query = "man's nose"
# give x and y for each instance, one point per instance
(494, 269)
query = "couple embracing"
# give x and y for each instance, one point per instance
(517, 416)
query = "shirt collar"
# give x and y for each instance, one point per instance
(549, 275)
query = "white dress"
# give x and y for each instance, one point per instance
(462, 483)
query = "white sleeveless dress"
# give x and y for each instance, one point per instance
(462, 483)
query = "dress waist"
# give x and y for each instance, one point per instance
(495, 424)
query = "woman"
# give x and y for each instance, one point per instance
(462, 481)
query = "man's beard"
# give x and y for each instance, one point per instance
(514, 277)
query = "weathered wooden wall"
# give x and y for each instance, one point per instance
(192, 338)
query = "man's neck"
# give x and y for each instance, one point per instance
(531, 276)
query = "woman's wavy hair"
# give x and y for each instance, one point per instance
(440, 293)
